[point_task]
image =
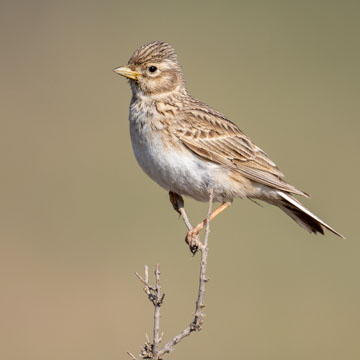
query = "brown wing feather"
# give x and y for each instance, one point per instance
(210, 135)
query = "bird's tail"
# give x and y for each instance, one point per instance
(303, 216)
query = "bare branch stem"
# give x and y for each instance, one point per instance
(156, 338)
(199, 313)
(131, 355)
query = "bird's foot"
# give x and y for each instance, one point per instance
(193, 240)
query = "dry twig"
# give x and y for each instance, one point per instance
(153, 350)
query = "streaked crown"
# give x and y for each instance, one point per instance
(156, 51)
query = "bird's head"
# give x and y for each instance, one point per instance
(153, 70)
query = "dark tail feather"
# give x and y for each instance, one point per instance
(303, 216)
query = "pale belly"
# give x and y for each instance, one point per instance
(180, 170)
(173, 169)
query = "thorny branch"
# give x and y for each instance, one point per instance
(152, 350)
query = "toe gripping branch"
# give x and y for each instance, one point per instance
(192, 236)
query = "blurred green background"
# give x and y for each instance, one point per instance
(78, 217)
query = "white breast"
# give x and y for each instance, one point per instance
(173, 169)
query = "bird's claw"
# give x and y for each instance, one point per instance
(192, 239)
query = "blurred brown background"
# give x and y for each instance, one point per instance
(78, 217)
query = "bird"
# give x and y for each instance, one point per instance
(190, 149)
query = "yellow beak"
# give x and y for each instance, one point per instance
(128, 73)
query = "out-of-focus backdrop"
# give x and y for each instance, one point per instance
(78, 217)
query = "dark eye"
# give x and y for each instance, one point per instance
(152, 68)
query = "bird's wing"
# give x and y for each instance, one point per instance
(213, 137)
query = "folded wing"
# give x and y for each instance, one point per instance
(210, 135)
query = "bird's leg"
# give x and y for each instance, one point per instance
(177, 201)
(192, 237)
(178, 204)
(196, 230)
